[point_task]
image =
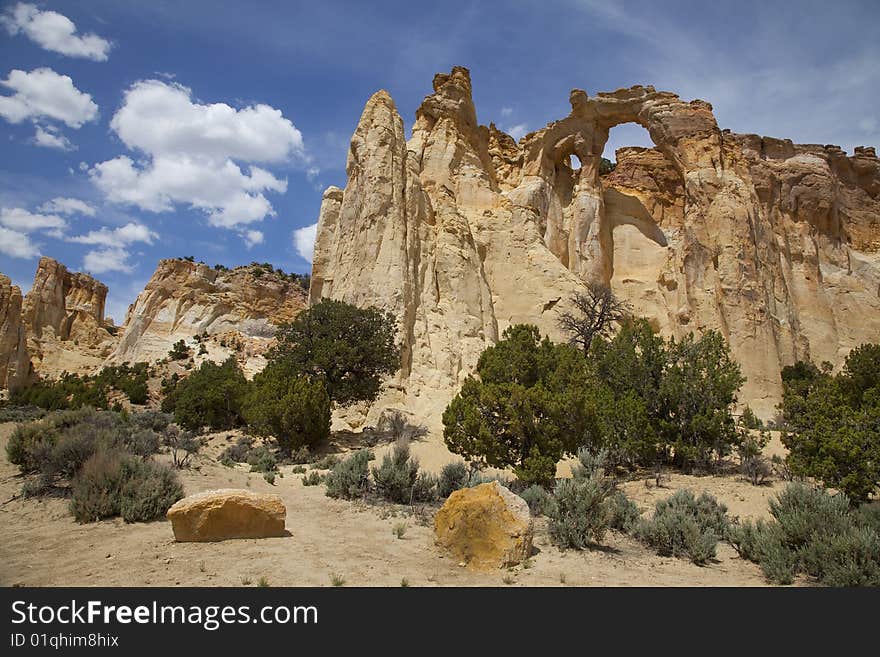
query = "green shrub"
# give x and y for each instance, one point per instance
(148, 492)
(806, 512)
(453, 476)
(398, 479)
(314, 478)
(143, 442)
(27, 413)
(541, 503)
(350, 478)
(685, 526)
(832, 423)
(238, 453)
(581, 516)
(97, 487)
(262, 459)
(349, 349)
(112, 483)
(524, 408)
(753, 465)
(293, 409)
(183, 445)
(209, 397)
(778, 563)
(179, 351)
(749, 420)
(868, 515)
(850, 558)
(153, 420)
(327, 463)
(30, 445)
(623, 513)
(816, 533)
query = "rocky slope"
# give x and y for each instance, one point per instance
(238, 309)
(63, 318)
(15, 364)
(462, 231)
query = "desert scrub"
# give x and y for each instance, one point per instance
(112, 483)
(580, 517)
(314, 478)
(623, 513)
(453, 476)
(398, 478)
(327, 463)
(685, 526)
(350, 479)
(25, 413)
(541, 503)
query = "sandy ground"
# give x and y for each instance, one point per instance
(41, 544)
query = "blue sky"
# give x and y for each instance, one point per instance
(134, 131)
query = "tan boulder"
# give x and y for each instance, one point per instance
(486, 527)
(217, 515)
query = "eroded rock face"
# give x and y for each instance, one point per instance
(485, 527)
(217, 515)
(239, 308)
(15, 363)
(63, 316)
(461, 232)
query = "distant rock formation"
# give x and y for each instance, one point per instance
(238, 308)
(15, 364)
(60, 325)
(63, 316)
(462, 231)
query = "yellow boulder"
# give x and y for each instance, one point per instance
(216, 515)
(486, 527)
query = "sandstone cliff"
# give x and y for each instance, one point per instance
(462, 231)
(238, 309)
(63, 317)
(15, 364)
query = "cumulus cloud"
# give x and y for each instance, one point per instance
(101, 261)
(22, 221)
(50, 138)
(252, 238)
(68, 206)
(44, 94)
(53, 31)
(17, 245)
(113, 254)
(192, 149)
(304, 241)
(123, 236)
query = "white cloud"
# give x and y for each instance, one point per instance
(21, 220)
(113, 254)
(517, 131)
(120, 237)
(506, 111)
(101, 261)
(17, 245)
(55, 32)
(192, 149)
(252, 238)
(304, 241)
(51, 138)
(43, 93)
(160, 118)
(68, 206)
